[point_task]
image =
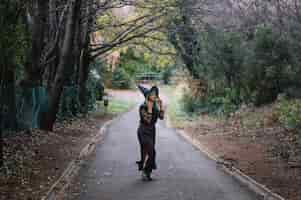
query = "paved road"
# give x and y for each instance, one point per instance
(183, 172)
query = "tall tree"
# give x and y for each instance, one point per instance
(39, 14)
(84, 57)
(64, 65)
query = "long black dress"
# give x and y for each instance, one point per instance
(147, 136)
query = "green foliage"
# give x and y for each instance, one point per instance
(167, 74)
(189, 103)
(135, 63)
(121, 80)
(14, 38)
(175, 110)
(217, 104)
(130, 62)
(14, 45)
(289, 112)
(69, 103)
(238, 68)
(119, 106)
(95, 91)
(269, 66)
(223, 58)
(229, 102)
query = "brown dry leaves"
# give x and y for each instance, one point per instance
(35, 159)
(253, 140)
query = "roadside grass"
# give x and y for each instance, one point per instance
(177, 116)
(119, 106)
(115, 107)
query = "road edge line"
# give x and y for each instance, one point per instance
(250, 183)
(74, 165)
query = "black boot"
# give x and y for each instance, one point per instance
(148, 176)
(140, 165)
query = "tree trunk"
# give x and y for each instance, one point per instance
(49, 118)
(9, 100)
(1, 136)
(53, 28)
(1, 144)
(76, 51)
(83, 77)
(83, 71)
(40, 8)
(8, 116)
(8, 111)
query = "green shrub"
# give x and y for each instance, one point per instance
(189, 103)
(267, 72)
(121, 80)
(69, 103)
(95, 91)
(166, 75)
(230, 101)
(289, 113)
(222, 104)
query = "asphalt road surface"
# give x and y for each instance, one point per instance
(183, 173)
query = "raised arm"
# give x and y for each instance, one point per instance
(161, 113)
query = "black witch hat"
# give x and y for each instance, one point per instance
(145, 91)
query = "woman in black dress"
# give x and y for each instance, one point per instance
(149, 112)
